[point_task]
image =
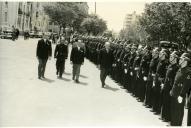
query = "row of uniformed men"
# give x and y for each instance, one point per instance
(158, 77)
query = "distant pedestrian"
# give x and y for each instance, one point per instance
(43, 52)
(77, 58)
(105, 61)
(61, 54)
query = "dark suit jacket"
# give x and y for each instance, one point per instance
(44, 49)
(77, 55)
(105, 59)
(61, 51)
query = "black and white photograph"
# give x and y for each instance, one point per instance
(95, 63)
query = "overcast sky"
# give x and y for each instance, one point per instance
(114, 12)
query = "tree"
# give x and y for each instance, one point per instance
(65, 13)
(168, 21)
(94, 25)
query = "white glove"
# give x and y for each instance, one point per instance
(125, 64)
(180, 99)
(145, 78)
(162, 86)
(125, 70)
(118, 60)
(131, 74)
(136, 69)
(153, 83)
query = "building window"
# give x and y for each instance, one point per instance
(37, 5)
(19, 21)
(5, 16)
(6, 4)
(36, 14)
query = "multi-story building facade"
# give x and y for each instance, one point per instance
(23, 15)
(30, 16)
(130, 19)
(8, 13)
(40, 21)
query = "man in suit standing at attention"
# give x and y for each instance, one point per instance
(105, 61)
(77, 58)
(43, 52)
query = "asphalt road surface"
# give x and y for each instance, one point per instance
(27, 101)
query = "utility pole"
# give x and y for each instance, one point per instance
(95, 7)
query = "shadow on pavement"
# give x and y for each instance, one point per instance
(48, 80)
(67, 73)
(65, 79)
(83, 83)
(110, 88)
(83, 76)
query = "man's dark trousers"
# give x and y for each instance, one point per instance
(41, 67)
(60, 64)
(177, 112)
(103, 74)
(76, 71)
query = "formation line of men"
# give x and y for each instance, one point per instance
(159, 76)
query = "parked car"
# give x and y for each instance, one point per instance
(40, 34)
(6, 34)
(33, 34)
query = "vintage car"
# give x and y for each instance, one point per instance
(6, 34)
(40, 34)
(33, 34)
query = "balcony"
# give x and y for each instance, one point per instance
(20, 11)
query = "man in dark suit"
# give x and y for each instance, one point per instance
(43, 52)
(61, 53)
(106, 60)
(77, 58)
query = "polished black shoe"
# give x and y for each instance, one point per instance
(39, 77)
(77, 81)
(56, 72)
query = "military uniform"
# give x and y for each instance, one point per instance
(144, 70)
(125, 68)
(130, 67)
(169, 80)
(158, 81)
(180, 88)
(135, 78)
(149, 85)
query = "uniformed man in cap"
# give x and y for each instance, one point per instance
(125, 65)
(169, 80)
(130, 66)
(180, 87)
(135, 70)
(159, 79)
(144, 70)
(152, 73)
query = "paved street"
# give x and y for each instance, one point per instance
(28, 101)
